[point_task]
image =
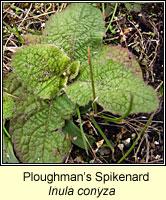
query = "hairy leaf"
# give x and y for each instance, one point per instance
(114, 84)
(36, 132)
(12, 86)
(79, 26)
(123, 55)
(8, 106)
(73, 70)
(32, 39)
(37, 65)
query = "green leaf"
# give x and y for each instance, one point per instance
(82, 131)
(32, 39)
(8, 106)
(8, 154)
(123, 55)
(75, 134)
(12, 86)
(36, 132)
(79, 26)
(133, 6)
(37, 65)
(73, 70)
(114, 84)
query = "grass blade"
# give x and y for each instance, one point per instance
(81, 129)
(16, 32)
(135, 142)
(115, 8)
(6, 132)
(102, 134)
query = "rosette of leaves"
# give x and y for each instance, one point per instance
(79, 26)
(114, 85)
(43, 70)
(38, 65)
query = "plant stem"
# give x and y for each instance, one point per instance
(81, 129)
(109, 39)
(92, 81)
(102, 134)
(135, 142)
(30, 31)
(115, 8)
(103, 10)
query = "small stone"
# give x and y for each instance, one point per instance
(121, 146)
(127, 141)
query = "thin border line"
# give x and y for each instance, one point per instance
(82, 164)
